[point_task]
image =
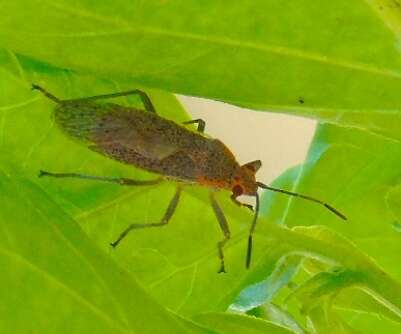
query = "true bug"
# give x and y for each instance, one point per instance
(146, 140)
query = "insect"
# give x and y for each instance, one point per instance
(144, 139)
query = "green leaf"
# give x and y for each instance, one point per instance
(369, 323)
(365, 186)
(357, 188)
(236, 323)
(263, 292)
(353, 299)
(277, 315)
(325, 285)
(178, 264)
(327, 321)
(57, 282)
(337, 62)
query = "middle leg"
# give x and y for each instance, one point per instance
(224, 227)
(164, 221)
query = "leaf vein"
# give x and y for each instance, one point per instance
(81, 299)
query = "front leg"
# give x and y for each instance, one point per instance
(201, 124)
(164, 221)
(237, 202)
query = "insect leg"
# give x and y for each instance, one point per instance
(234, 199)
(201, 124)
(46, 93)
(167, 216)
(144, 98)
(119, 180)
(250, 236)
(224, 227)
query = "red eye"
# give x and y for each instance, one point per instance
(237, 190)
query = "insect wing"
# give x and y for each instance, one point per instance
(131, 132)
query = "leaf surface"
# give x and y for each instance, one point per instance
(338, 62)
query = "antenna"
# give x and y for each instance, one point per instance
(255, 217)
(327, 206)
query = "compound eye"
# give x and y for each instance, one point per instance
(237, 190)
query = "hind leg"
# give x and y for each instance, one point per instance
(120, 180)
(46, 93)
(164, 221)
(224, 227)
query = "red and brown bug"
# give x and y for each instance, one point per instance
(143, 139)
